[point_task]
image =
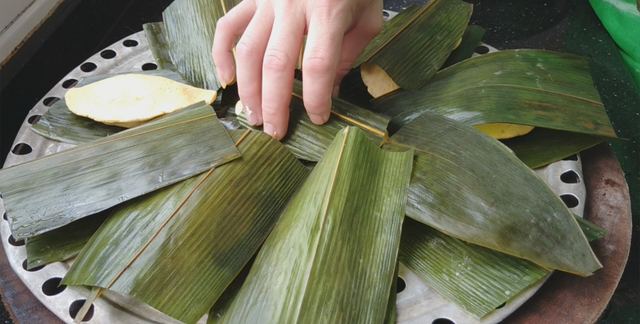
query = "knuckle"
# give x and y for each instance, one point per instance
(269, 111)
(246, 48)
(276, 61)
(374, 27)
(316, 104)
(249, 95)
(317, 65)
(223, 24)
(332, 11)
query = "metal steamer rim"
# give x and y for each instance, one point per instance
(416, 301)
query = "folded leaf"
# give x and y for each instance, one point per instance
(190, 26)
(332, 256)
(414, 44)
(100, 174)
(179, 248)
(468, 185)
(523, 87)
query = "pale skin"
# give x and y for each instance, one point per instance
(271, 34)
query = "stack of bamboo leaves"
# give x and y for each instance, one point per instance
(203, 219)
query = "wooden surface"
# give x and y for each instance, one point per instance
(564, 298)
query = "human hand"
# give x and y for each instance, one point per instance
(271, 37)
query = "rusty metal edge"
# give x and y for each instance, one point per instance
(568, 298)
(20, 303)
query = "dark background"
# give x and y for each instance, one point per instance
(79, 29)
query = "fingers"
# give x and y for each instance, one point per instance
(355, 41)
(278, 68)
(268, 50)
(228, 29)
(321, 56)
(250, 53)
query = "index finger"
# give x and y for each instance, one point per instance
(228, 29)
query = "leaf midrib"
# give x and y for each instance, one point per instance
(324, 218)
(176, 210)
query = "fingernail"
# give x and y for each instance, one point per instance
(336, 91)
(270, 130)
(318, 119)
(252, 117)
(223, 81)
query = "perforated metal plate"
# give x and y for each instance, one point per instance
(417, 303)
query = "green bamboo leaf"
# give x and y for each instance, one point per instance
(60, 124)
(164, 73)
(470, 40)
(341, 229)
(156, 35)
(100, 174)
(392, 311)
(177, 249)
(413, 46)
(62, 243)
(190, 26)
(544, 146)
(469, 186)
(221, 307)
(360, 117)
(591, 231)
(308, 141)
(525, 87)
(476, 279)
(94, 294)
(390, 30)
